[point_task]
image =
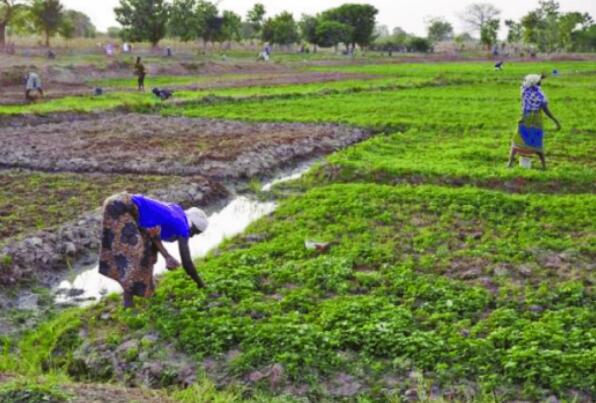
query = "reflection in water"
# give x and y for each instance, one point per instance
(231, 220)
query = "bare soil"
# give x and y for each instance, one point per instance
(149, 144)
(63, 81)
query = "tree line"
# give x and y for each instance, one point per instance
(200, 20)
(546, 29)
(45, 17)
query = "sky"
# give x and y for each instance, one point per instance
(407, 14)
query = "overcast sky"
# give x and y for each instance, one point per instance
(408, 14)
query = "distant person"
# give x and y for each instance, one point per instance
(140, 73)
(109, 50)
(126, 47)
(33, 85)
(163, 94)
(134, 227)
(168, 52)
(529, 137)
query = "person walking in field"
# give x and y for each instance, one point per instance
(529, 137)
(140, 73)
(133, 229)
(32, 84)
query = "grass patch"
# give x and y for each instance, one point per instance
(476, 157)
(35, 200)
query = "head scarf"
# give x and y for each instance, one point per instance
(533, 99)
(198, 218)
(532, 80)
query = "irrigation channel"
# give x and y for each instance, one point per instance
(89, 286)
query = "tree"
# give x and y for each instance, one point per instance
(308, 28)
(47, 16)
(398, 31)
(8, 11)
(584, 40)
(515, 31)
(114, 32)
(255, 18)
(231, 27)
(417, 44)
(569, 23)
(381, 31)
(143, 20)
(439, 30)
(477, 15)
(82, 25)
(360, 17)
(489, 31)
(67, 28)
(209, 24)
(281, 29)
(183, 20)
(332, 33)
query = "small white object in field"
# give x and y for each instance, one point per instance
(525, 162)
(319, 246)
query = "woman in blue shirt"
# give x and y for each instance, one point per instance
(134, 227)
(529, 137)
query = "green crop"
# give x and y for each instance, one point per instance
(444, 268)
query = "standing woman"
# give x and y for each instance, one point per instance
(134, 227)
(140, 73)
(529, 137)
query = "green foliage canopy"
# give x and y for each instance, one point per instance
(143, 20)
(360, 17)
(47, 16)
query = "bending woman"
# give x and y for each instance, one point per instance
(134, 227)
(529, 137)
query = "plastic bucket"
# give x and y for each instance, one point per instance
(525, 162)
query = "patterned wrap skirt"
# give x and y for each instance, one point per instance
(127, 253)
(529, 136)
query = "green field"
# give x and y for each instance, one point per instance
(447, 271)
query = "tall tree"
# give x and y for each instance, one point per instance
(82, 25)
(67, 28)
(8, 11)
(231, 26)
(255, 18)
(489, 31)
(439, 30)
(281, 29)
(515, 31)
(308, 28)
(209, 24)
(143, 20)
(183, 20)
(360, 17)
(570, 23)
(332, 33)
(477, 15)
(47, 17)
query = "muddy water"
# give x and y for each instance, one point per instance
(89, 286)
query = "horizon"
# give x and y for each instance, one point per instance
(102, 14)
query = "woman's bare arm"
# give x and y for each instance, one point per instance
(551, 116)
(187, 263)
(171, 262)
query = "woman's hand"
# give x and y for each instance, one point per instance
(171, 263)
